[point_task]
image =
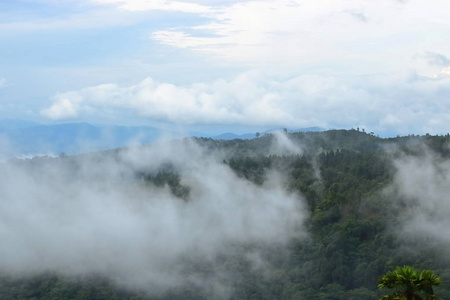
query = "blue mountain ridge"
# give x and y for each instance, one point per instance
(26, 138)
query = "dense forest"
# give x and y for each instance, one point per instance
(368, 204)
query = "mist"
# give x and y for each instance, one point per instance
(283, 145)
(96, 214)
(423, 186)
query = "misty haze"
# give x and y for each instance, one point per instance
(282, 216)
(224, 149)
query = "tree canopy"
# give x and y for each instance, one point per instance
(346, 180)
(409, 284)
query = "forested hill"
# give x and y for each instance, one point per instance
(311, 143)
(363, 205)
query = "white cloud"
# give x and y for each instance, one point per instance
(432, 64)
(65, 108)
(436, 59)
(353, 36)
(446, 71)
(401, 103)
(361, 35)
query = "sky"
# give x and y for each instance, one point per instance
(379, 65)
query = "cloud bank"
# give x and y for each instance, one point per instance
(351, 36)
(398, 103)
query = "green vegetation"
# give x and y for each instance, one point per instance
(409, 284)
(345, 178)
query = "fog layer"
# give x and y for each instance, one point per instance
(96, 213)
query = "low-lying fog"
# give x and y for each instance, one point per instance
(95, 214)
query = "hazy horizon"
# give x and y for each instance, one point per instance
(380, 66)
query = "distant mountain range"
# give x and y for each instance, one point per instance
(248, 136)
(26, 138)
(70, 138)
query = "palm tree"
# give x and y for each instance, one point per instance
(409, 284)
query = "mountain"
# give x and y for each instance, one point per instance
(303, 215)
(27, 138)
(248, 136)
(71, 138)
(307, 129)
(232, 136)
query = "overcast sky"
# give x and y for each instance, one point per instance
(381, 65)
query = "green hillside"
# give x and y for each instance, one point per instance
(363, 218)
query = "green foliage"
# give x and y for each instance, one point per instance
(167, 176)
(343, 177)
(409, 284)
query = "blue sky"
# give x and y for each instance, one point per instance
(380, 65)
